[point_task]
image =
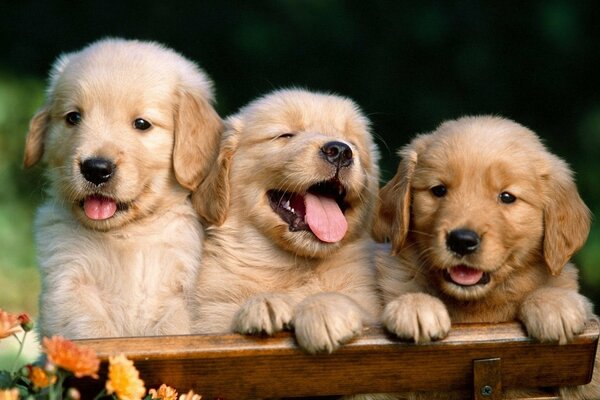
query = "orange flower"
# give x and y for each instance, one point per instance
(80, 360)
(124, 379)
(190, 396)
(9, 394)
(40, 378)
(164, 393)
(9, 324)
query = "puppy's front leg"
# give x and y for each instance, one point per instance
(75, 312)
(555, 314)
(264, 313)
(417, 316)
(324, 321)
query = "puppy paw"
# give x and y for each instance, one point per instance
(417, 316)
(264, 314)
(555, 314)
(325, 321)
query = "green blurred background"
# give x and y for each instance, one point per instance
(409, 65)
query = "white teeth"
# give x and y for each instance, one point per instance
(287, 206)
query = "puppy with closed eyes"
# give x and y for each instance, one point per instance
(483, 220)
(296, 180)
(128, 130)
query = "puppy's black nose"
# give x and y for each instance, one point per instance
(97, 170)
(463, 241)
(337, 153)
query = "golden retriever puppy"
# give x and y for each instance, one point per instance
(128, 130)
(482, 220)
(297, 179)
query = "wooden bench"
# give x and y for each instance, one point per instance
(484, 360)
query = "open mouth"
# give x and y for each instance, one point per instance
(97, 207)
(464, 275)
(320, 210)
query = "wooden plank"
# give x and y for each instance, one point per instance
(546, 395)
(238, 367)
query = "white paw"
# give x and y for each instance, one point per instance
(263, 314)
(555, 315)
(417, 316)
(325, 321)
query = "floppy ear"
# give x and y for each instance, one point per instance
(34, 144)
(197, 132)
(211, 198)
(38, 126)
(385, 210)
(566, 218)
(400, 189)
(393, 211)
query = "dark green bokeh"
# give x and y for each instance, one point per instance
(409, 65)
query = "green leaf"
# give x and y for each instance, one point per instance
(6, 380)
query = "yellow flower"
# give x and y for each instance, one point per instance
(190, 396)
(124, 379)
(9, 394)
(80, 360)
(164, 393)
(9, 324)
(40, 378)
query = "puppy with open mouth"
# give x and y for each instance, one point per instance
(128, 130)
(296, 180)
(482, 221)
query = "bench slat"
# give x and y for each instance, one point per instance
(237, 367)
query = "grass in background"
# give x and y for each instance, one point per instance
(20, 193)
(588, 262)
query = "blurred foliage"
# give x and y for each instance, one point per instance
(409, 65)
(20, 193)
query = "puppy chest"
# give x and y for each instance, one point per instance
(152, 288)
(157, 269)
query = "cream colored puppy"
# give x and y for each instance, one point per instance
(483, 221)
(127, 131)
(296, 181)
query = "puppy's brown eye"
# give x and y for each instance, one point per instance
(141, 124)
(507, 198)
(73, 118)
(286, 135)
(439, 190)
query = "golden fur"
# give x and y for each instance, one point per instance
(259, 276)
(127, 274)
(525, 241)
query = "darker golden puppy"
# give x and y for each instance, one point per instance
(482, 221)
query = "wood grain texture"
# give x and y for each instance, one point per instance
(242, 367)
(487, 379)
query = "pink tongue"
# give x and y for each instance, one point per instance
(464, 275)
(98, 207)
(324, 218)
